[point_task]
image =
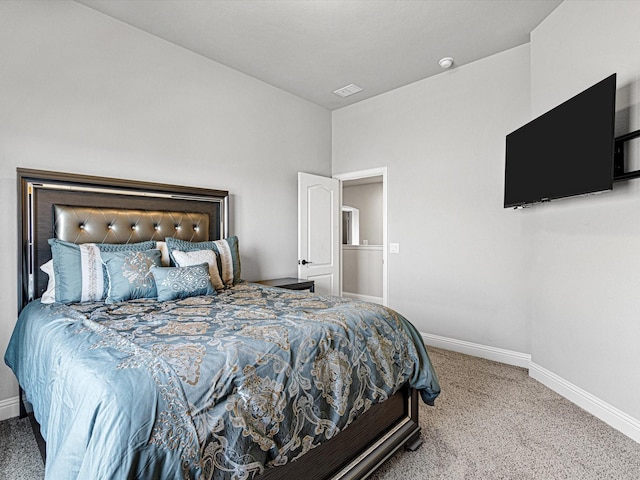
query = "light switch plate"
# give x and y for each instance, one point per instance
(394, 248)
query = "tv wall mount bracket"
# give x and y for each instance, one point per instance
(619, 173)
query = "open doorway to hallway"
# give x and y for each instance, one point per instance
(364, 235)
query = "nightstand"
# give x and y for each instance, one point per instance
(290, 283)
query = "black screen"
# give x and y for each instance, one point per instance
(567, 151)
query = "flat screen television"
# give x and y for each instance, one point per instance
(565, 152)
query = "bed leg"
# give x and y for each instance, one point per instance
(414, 443)
(23, 409)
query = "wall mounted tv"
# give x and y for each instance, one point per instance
(565, 152)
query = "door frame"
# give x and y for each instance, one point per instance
(371, 172)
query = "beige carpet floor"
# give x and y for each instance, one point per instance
(492, 421)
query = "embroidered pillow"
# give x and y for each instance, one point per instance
(185, 259)
(78, 269)
(226, 249)
(182, 282)
(130, 274)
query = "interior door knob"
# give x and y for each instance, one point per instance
(304, 262)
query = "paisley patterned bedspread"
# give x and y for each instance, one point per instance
(207, 387)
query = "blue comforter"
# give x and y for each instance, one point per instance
(207, 387)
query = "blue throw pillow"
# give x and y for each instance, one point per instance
(77, 278)
(130, 274)
(182, 282)
(226, 249)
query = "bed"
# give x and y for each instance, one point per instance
(197, 373)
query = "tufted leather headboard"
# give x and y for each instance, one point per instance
(83, 209)
(108, 225)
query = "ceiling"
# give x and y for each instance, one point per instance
(312, 47)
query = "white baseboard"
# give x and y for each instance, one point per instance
(501, 355)
(609, 414)
(592, 404)
(364, 298)
(9, 408)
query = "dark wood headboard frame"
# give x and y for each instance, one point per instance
(40, 190)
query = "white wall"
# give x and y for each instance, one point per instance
(83, 93)
(586, 270)
(460, 270)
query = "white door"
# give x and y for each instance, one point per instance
(318, 232)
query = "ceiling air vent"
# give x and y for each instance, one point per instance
(348, 90)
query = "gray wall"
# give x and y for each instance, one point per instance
(362, 270)
(83, 93)
(368, 199)
(585, 276)
(560, 280)
(461, 268)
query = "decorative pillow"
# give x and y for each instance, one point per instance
(49, 296)
(126, 247)
(197, 257)
(130, 274)
(78, 269)
(164, 251)
(227, 250)
(182, 282)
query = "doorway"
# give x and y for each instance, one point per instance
(363, 249)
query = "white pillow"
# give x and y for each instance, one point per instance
(197, 257)
(49, 296)
(164, 253)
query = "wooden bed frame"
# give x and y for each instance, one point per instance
(353, 454)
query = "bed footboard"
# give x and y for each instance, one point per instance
(353, 454)
(363, 446)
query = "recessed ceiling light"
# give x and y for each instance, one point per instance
(446, 62)
(348, 90)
